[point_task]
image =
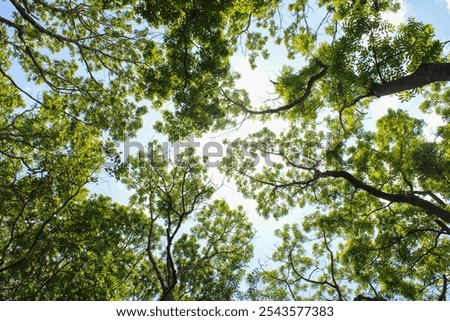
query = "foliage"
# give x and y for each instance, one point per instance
(377, 198)
(191, 62)
(45, 163)
(88, 252)
(85, 57)
(68, 70)
(198, 249)
(84, 52)
(83, 60)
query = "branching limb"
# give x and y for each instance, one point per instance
(299, 102)
(427, 206)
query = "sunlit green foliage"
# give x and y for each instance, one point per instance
(377, 197)
(189, 63)
(74, 77)
(198, 249)
(87, 252)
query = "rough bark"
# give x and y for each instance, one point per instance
(426, 74)
(443, 296)
(361, 297)
(429, 207)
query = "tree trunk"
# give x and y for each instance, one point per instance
(167, 295)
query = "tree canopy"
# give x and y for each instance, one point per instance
(380, 228)
(372, 201)
(197, 248)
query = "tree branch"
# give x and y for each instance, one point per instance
(41, 230)
(427, 206)
(426, 73)
(332, 268)
(443, 295)
(298, 102)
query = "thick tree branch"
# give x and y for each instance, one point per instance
(153, 262)
(361, 297)
(298, 102)
(42, 29)
(427, 206)
(426, 74)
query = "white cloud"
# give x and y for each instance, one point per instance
(255, 81)
(447, 2)
(398, 17)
